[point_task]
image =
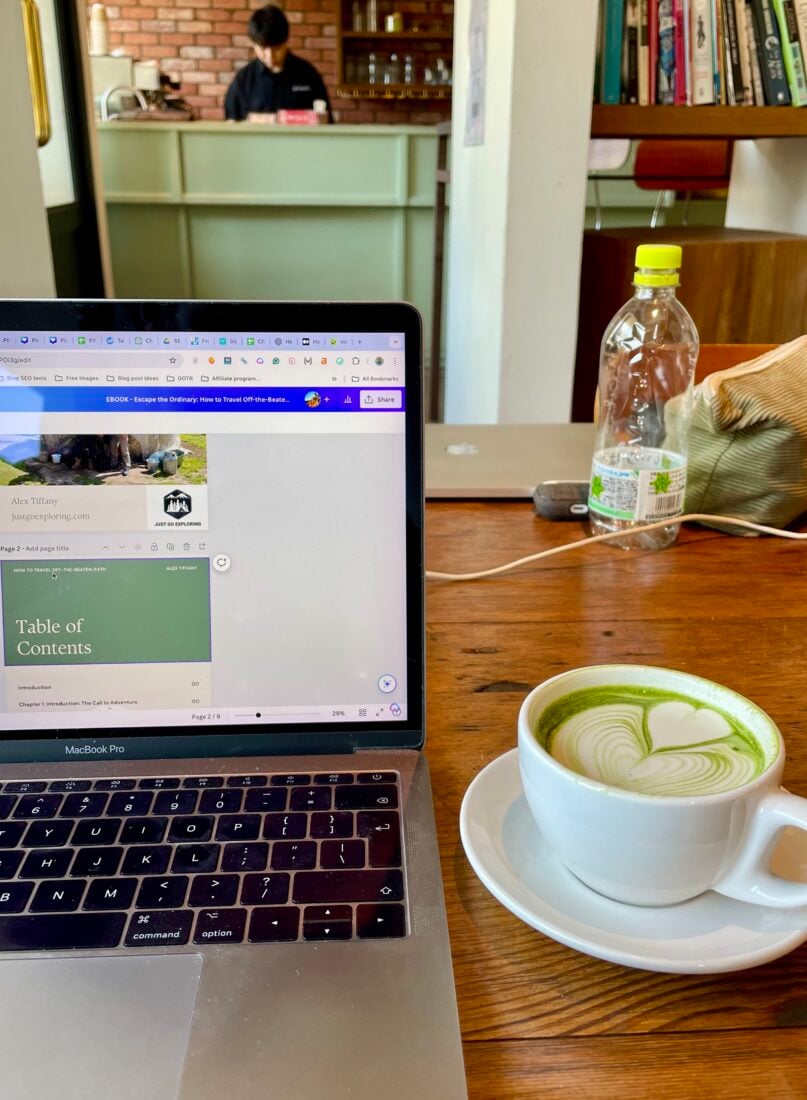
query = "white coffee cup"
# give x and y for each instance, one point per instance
(658, 850)
(56, 458)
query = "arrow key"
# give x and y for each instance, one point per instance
(380, 922)
(271, 924)
(322, 930)
(327, 913)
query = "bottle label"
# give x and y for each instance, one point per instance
(639, 494)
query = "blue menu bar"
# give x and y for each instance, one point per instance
(94, 399)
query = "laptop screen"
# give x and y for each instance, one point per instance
(202, 529)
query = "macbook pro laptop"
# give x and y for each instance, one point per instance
(218, 862)
(480, 461)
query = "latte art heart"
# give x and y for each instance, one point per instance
(650, 742)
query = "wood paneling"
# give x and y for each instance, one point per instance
(741, 287)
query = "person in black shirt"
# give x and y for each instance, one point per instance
(277, 79)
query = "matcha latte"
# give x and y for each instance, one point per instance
(650, 741)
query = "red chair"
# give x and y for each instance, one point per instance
(682, 166)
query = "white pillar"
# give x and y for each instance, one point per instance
(26, 265)
(517, 211)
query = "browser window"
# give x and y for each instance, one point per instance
(201, 528)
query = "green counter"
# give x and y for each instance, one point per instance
(223, 210)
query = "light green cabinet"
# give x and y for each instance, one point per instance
(215, 210)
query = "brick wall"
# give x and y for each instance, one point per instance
(204, 43)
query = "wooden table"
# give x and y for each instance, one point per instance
(539, 1020)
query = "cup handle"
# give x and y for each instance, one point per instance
(749, 878)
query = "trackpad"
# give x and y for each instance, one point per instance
(75, 1028)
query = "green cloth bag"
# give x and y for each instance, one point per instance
(748, 439)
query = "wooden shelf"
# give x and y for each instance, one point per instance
(697, 122)
(349, 43)
(394, 91)
(423, 36)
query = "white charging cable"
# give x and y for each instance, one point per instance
(696, 517)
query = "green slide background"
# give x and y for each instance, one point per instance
(134, 611)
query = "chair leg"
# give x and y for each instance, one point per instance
(685, 215)
(657, 209)
(597, 205)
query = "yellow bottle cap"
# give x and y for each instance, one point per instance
(657, 264)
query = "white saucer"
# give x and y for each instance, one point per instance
(707, 935)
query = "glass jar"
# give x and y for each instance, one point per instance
(392, 70)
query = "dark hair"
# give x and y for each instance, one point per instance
(268, 26)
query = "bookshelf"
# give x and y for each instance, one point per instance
(428, 37)
(738, 123)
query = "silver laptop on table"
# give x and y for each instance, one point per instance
(218, 863)
(502, 461)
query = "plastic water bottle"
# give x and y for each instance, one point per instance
(647, 363)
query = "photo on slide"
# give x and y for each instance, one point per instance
(71, 459)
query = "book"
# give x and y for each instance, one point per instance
(791, 51)
(725, 57)
(632, 51)
(756, 68)
(666, 52)
(732, 45)
(644, 54)
(687, 53)
(800, 8)
(611, 62)
(680, 48)
(652, 34)
(745, 56)
(598, 55)
(717, 45)
(771, 59)
(715, 70)
(703, 85)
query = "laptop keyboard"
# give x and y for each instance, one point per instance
(210, 859)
